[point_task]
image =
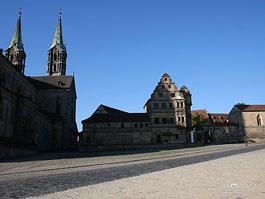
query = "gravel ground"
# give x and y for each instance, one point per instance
(238, 176)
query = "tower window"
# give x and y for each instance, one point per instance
(164, 120)
(165, 79)
(172, 94)
(54, 57)
(54, 67)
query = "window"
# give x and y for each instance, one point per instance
(177, 136)
(170, 105)
(160, 94)
(141, 125)
(172, 94)
(163, 86)
(54, 57)
(156, 105)
(108, 125)
(171, 120)
(88, 139)
(122, 125)
(182, 104)
(1, 109)
(183, 119)
(156, 120)
(135, 125)
(165, 79)
(163, 105)
(169, 86)
(177, 104)
(179, 119)
(164, 120)
(259, 120)
(146, 125)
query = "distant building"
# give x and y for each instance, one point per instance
(37, 112)
(216, 128)
(166, 119)
(250, 120)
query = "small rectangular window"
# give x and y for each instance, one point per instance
(183, 119)
(171, 120)
(122, 125)
(164, 120)
(182, 104)
(172, 94)
(156, 121)
(163, 105)
(156, 105)
(146, 125)
(141, 125)
(135, 125)
(88, 139)
(177, 136)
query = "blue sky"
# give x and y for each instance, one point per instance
(119, 49)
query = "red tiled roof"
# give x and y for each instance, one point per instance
(218, 117)
(249, 108)
(202, 112)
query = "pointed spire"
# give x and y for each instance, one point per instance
(58, 36)
(15, 51)
(17, 37)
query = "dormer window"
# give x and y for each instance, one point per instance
(165, 79)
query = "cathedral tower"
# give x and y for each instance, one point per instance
(56, 63)
(15, 52)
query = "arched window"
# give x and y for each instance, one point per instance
(54, 67)
(54, 56)
(259, 120)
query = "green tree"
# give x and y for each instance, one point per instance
(198, 120)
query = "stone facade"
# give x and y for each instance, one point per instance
(35, 112)
(216, 128)
(166, 119)
(250, 120)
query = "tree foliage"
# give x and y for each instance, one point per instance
(198, 120)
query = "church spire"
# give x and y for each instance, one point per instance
(56, 63)
(58, 36)
(15, 51)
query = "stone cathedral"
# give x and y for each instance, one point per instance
(37, 112)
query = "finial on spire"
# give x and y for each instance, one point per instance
(20, 12)
(60, 12)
